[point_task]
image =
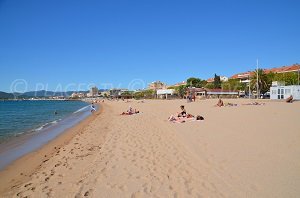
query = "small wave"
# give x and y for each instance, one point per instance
(82, 109)
(18, 134)
(44, 126)
(40, 128)
(54, 122)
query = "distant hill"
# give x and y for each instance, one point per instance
(44, 93)
(4, 95)
(39, 94)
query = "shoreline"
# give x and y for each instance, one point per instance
(34, 137)
(19, 170)
(252, 151)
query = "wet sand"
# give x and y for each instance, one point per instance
(243, 151)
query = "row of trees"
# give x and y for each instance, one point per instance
(264, 82)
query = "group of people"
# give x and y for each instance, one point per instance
(130, 111)
(183, 116)
(179, 117)
(228, 104)
(191, 98)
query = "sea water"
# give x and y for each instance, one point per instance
(27, 125)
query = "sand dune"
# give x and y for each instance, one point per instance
(243, 151)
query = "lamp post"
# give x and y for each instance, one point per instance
(257, 78)
(298, 74)
(249, 86)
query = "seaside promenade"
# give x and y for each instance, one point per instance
(238, 151)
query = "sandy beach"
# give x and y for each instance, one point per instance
(242, 151)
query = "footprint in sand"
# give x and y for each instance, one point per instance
(88, 193)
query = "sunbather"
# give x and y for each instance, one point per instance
(254, 103)
(229, 104)
(183, 112)
(130, 111)
(188, 118)
(290, 99)
(220, 103)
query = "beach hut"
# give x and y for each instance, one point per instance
(164, 93)
(280, 91)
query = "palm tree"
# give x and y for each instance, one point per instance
(263, 82)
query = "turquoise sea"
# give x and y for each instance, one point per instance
(18, 117)
(27, 125)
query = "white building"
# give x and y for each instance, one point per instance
(78, 95)
(93, 92)
(223, 78)
(280, 91)
(164, 93)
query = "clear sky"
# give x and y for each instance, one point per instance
(70, 44)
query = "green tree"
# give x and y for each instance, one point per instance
(234, 84)
(264, 82)
(138, 95)
(217, 82)
(127, 93)
(181, 90)
(209, 86)
(195, 82)
(290, 78)
(149, 93)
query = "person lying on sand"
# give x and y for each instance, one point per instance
(254, 103)
(130, 111)
(229, 104)
(143, 101)
(188, 118)
(289, 99)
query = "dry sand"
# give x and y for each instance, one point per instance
(244, 151)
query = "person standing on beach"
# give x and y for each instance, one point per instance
(93, 108)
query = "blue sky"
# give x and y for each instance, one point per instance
(72, 44)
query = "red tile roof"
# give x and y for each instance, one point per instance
(211, 90)
(284, 69)
(292, 68)
(241, 75)
(210, 80)
(178, 84)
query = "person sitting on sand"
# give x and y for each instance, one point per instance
(220, 103)
(289, 99)
(183, 112)
(130, 111)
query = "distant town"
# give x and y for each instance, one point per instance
(275, 83)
